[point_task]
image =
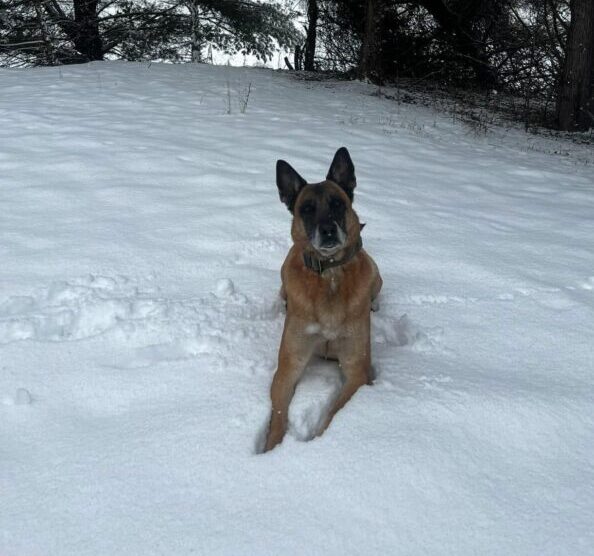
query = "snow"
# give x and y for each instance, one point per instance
(142, 238)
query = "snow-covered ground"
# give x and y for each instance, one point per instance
(141, 241)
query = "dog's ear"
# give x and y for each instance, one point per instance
(342, 171)
(289, 183)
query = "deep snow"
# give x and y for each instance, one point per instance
(142, 237)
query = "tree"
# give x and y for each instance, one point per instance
(244, 26)
(57, 31)
(310, 40)
(196, 30)
(575, 103)
(371, 59)
(22, 39)
(396, 35)
(461, 19)
(81, 26)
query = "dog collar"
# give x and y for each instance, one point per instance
(320, 265)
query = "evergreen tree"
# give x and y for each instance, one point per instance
(57, 31)
(243, 26)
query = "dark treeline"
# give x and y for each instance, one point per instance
(540, 50)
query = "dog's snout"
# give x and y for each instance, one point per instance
(328, 230)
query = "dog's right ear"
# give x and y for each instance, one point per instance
(289, 183)
(342, 171)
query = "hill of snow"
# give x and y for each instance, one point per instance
(142, 238)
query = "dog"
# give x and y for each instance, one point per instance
(329, 285)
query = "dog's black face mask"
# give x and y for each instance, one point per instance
(323, 212)
(322, 207)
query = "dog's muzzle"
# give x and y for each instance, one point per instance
(329, 238)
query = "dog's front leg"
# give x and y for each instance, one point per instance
(295, 351)
(354, 358)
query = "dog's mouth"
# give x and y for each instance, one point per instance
(328, 239)
(328, 251)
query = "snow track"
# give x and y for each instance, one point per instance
(142, 239)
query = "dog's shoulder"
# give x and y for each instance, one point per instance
(368, 267)
(296, 278)
(361, 281)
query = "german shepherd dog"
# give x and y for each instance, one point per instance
(329, 285)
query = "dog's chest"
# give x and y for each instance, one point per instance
(330, 308)
(328, 323)
(326, 304)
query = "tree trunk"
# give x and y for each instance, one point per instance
(370, 62)
(575, 105)
(310, 41)
(297, 56)
(48, 48)
(197, 40)
(87, 39)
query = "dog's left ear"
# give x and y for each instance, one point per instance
(342, 171)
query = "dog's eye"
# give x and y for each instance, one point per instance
(307, 208)
(335, 204)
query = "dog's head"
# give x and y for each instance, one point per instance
(323, 217)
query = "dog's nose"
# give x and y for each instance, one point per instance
(327, 230)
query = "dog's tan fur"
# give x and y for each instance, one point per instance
(328, 314)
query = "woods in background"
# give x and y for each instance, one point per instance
(537, 49)
(45, 32)
(541, 50)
